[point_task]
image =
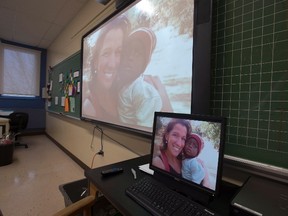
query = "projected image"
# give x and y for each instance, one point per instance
(139, 62)
(189, 149)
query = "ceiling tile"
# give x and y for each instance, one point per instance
(36, 22)
(46, 10)
(28, 28)
(6, 30)
(69, 11)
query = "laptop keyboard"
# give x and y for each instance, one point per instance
(160, 200)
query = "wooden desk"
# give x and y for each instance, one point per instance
(4, 123)
(113, 188)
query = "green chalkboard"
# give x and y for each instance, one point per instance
(64, 87)
(250, 78)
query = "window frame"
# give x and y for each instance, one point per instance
(42, 71)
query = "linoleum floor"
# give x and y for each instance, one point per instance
(30, 185)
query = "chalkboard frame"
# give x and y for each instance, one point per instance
(63, 87)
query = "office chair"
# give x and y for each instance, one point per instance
(18, 123)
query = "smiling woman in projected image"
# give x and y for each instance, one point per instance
(173, 141)
(106, 54)
(137, 98)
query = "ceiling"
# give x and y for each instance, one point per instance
(36, 22)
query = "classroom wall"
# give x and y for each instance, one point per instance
(73, 134)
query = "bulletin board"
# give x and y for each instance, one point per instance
(63, 87)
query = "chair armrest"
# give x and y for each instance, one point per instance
(84, 205)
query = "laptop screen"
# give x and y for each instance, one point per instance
(188, 148)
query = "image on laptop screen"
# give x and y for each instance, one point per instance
(188, 148)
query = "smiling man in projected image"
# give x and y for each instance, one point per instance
(137, 97)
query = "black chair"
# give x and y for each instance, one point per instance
(18, 124)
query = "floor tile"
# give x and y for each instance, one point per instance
(30, 185)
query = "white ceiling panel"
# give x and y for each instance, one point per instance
(36, 22)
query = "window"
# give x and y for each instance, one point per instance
(19, 71)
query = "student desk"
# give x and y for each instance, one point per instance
(113, 188)
(5, 113)
(4, 123)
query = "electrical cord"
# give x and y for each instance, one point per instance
(101, 151)
(91, 144)
(118, 142)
